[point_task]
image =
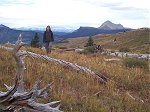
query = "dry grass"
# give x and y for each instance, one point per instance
(76, 90)
(137, 41)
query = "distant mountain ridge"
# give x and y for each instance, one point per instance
(106, 28)
(86, 31)
(11, 35)
(3, 26)
(42, 28)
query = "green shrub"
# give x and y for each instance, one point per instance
(88, 50)
(124, 49)
(35, 41)
(145, 52)
(133, 62)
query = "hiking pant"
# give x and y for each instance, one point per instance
(48, 47)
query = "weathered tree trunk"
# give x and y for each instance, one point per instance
(102, 78)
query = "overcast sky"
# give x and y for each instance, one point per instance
(74, 13)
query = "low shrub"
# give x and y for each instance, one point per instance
(112, 51)
(89, 50)
(133, 62)
(124, 49)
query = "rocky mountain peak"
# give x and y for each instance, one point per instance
(108, 25)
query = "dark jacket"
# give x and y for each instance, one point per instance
(48, 37)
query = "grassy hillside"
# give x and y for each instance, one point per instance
(77, 91)
(138, 41)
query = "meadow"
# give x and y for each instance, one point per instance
(128, 89)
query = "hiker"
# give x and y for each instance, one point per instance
(48, 39)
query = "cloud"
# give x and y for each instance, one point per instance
(76, 13)
(15, 2)
(126, 10)
(122, 3)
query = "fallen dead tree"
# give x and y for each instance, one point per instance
(127, 54)
(103, 79)
(16, 98)
(112, 60)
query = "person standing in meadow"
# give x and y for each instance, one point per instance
(48, 39)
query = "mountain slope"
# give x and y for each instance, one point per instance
(3, 26)
(137, 41)
(11, 35)
(106, 28)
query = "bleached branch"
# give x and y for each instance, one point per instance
(16, 98)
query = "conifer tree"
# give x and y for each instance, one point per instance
(90, 42)
(35, 41)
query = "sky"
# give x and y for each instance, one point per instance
(74, 13)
